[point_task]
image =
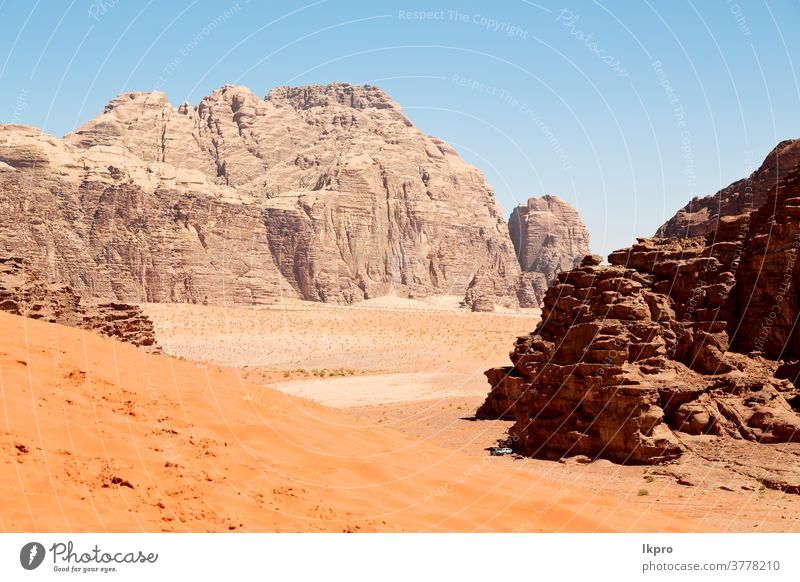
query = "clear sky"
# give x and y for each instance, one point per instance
(626, 109)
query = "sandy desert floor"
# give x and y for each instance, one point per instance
(380, 335)
(423, 377)
(97, 435)
(379, 351)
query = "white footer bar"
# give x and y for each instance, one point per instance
(378, 557)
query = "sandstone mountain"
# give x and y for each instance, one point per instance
(702, 215)
(549, 237)
(677, 338)
(325, 193)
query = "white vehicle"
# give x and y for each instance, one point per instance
(500, 451)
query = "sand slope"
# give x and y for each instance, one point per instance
(97, 436)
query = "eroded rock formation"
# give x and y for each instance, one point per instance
(677, 337)
(27, 293)
(549, 237)
(325, 193)
(702, 215)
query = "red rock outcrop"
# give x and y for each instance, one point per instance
(549, 237)
(676, 336)
(325, 193)
(766, 305)
(702, 215)
(27, 293)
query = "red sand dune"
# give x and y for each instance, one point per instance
(98, 436)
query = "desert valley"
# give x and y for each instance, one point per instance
(280, 314)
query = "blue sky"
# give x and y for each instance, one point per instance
(625, 109)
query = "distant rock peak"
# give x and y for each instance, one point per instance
(299, 97)
(703, 215)
(549, 237)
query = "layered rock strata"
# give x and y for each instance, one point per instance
(27, 293)
(324, 193)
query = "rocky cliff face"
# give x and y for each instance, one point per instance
(321, 193)
(549, 237)
(702, 215)
(27, 293)
(677, 337)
